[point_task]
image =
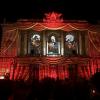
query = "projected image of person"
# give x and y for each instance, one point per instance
(70, 44)
(35, 41)
(53, 45)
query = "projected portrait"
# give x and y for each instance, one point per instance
(53, 45)
(36, 44)
(70, 44)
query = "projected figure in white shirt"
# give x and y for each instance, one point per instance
(53, 45)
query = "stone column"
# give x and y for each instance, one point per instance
(44, 43)
(62, 44)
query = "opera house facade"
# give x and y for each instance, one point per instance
(53, 47)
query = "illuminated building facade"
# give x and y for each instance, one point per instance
(52, 48)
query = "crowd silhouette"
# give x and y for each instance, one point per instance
(51, 89)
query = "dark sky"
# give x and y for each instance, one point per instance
(12, 10)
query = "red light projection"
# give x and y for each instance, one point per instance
(53, 19)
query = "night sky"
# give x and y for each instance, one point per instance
(12, 10)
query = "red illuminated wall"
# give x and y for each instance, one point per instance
(19, 67)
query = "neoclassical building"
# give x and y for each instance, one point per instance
(53, 47)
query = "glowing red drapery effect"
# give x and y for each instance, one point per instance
(21, 70)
